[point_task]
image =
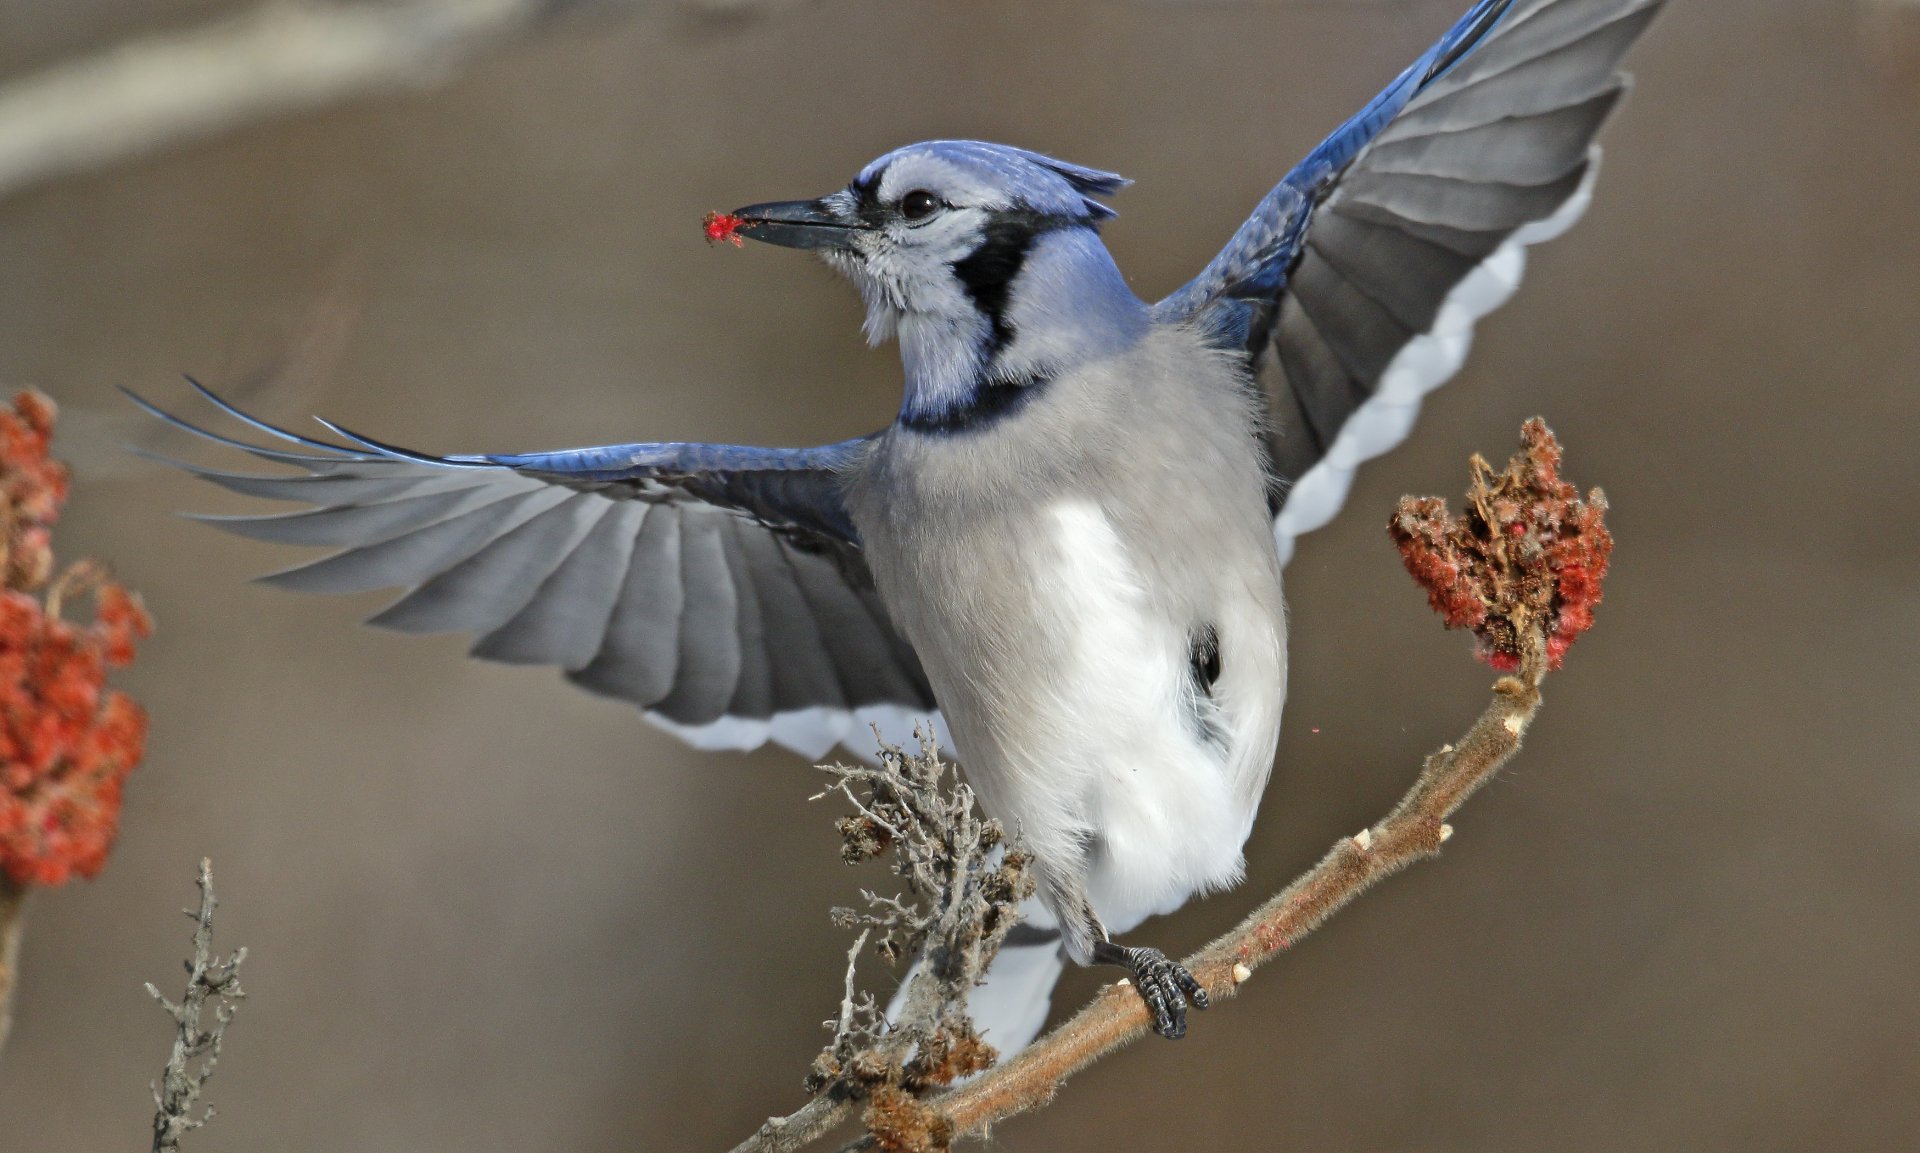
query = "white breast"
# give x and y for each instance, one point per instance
(1159, 798)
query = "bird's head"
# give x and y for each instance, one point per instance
(984, 260)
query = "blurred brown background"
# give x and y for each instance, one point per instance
(488, 911)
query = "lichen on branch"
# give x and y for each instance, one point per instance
(964, 883)
(213, 981)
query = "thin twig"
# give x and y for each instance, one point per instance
(966, 886)
(812, 1121)
(209, 978)
(13, 903)
(849, 998)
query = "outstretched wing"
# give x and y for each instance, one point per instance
(719, 587)
(1355, 285)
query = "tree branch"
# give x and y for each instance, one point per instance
(284, 56)
(800, 1128)
(161, 90)
(13, 901)
(210, 978)
(1413, 831)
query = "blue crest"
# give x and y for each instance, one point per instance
(1042, 183)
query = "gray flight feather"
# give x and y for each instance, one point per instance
(566, 622)
(718, 590)
(1355, 286)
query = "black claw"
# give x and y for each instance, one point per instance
(1196, 996)
(1164, 984)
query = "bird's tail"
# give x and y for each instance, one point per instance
(1010, 1006)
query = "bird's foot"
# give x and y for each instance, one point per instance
(1164, 984)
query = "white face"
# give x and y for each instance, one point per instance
(925, 215)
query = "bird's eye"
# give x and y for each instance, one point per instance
(918, 204)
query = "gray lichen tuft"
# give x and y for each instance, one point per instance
(964, 885)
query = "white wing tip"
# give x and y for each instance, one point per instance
(811, 732)
(736, 733)
(1426, 362)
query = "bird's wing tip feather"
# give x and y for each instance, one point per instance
(395, 452)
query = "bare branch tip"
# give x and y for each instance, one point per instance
(211, 980)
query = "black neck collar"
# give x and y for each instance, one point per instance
(990, 402)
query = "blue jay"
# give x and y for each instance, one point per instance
(1067, 547)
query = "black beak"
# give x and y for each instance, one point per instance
(794, 224)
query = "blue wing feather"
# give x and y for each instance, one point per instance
(395, 452)
(1353, 288)
(254, 422)
(337, 455)
(1338, 150)
(1255, 263)
(632, 461)
(789, 488)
